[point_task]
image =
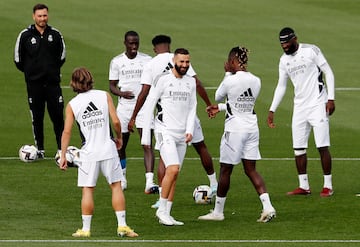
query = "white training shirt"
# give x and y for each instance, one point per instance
(178, 102)
(128, 73)
(240, 91)
(305, 68)
(159, 64)
(91, 112)
(155, 67)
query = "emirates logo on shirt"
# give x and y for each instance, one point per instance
(92, 118)
(245, 102)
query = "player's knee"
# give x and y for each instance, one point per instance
(147, 148)
(299, 152)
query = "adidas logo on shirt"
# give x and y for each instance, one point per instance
(91, 110)
(246, 96)
(168, 67)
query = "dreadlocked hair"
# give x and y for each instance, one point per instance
(241, 53)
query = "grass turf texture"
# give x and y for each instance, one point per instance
(39, 202)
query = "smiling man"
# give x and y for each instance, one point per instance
(124, 81)
(176, 93)
(39, 54)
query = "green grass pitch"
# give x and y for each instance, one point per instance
(40, 205)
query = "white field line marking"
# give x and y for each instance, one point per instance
(347, 89)
(214, 158)
(337, 89)
(179, 241)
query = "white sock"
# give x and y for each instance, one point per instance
(304, 181)
(86, 220)
(219, 205)
(149, 178)
(124, 172)
(169, 206)
(328, 181)
(266, 203)
(163, 204)
(160, 189)
(121, 218)
(212, 179)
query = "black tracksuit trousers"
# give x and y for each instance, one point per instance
(39, 96)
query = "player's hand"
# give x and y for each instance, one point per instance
(127, 95)
(212, 110)
(270, 120)
(131, 125)
(63, 163)
(188, 138)
(330, 107)
(119, 143)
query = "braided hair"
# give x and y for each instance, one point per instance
(241, 53)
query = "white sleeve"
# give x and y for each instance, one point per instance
(146, 75)
(222, 107)
(221, 92)
(280, 90)
(113, 71)
(149, 106)
(330, 80)
(192, 113)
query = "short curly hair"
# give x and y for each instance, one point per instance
(160, 39)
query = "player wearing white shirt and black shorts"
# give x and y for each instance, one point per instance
(177, 93)
(240, 141)
(304, 65)
(124, 78)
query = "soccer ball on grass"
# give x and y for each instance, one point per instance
(28, 153)
(202, 194)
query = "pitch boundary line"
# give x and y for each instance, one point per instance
(214, 158)
(337, 89)
(180, 241)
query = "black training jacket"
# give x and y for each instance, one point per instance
(40, 57)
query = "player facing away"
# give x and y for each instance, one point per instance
(124, 79)
(304, 65)
(177, 93)
(91, 110)
(240, 141)
(163, 61)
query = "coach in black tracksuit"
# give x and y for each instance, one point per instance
(40, 53)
